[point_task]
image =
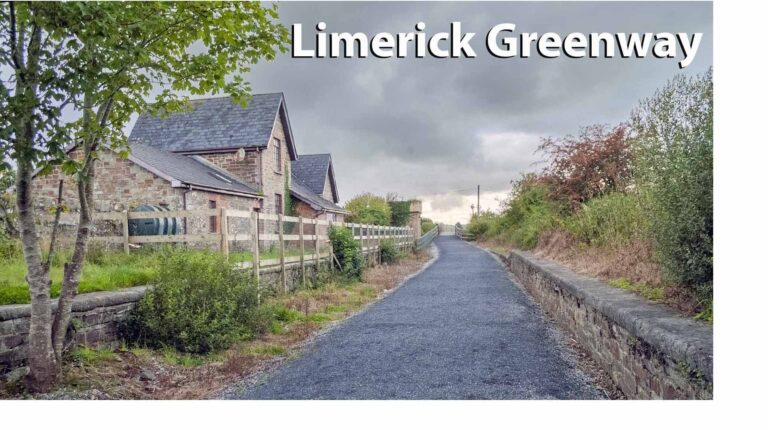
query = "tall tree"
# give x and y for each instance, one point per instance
(108, 58)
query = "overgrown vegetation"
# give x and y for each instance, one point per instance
(367, 208)
(642, 185)
(200, 303)
(427, 225)
(389, 251)
(347, 252)
(103, 271)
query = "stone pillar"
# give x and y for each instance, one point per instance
(414, 219)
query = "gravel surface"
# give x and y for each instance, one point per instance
(461, 329)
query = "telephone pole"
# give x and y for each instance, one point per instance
(478, 200)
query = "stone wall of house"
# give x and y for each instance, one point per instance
(247, 169)
(274, 178)
(327, 190)
(648, 350)
(119, 185)
(96, 316)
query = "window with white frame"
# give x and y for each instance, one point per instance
(278, 155)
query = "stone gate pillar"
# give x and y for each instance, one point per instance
(414, 220)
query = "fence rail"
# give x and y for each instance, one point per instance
(463, 234)
(427, 238)
(313, 246)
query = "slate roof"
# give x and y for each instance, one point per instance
(214, 124)
(317, 202)
(186, 169)
(311, 169)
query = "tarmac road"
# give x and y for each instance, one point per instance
(461, 329)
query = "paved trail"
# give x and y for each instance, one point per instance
(459, 330)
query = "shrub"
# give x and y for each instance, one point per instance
(613, 218)
(530, 211)
(347, 252)
(10, 248)
(427, 225)
(199, 304)
(369, 209)
(389, 252)
(400, 211)
(582, 167)
(674, 146)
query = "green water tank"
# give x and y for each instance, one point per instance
(153, 226)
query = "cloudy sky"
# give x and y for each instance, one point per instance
(436, 128)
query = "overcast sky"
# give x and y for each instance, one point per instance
(436, 128)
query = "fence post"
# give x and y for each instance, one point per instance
(317, 246)
(379, 230)
(330, 244)
(224, 234)
(282, 251)
(255, 245)
(301, 247)
(126, 248)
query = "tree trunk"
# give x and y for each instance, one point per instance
(40, 355)
(74, 268)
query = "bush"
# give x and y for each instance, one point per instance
(10, 248)
(613, 218)
(199, 304)
(674, 167)
(369, 209)
(400, 211)
(389, 252)
(582, 167)
(427, 225)
(347, 252)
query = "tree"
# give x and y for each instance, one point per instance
(7, 198)
(400, 210)
(595, 162)
(102, 60)
(367, 208)
(674, 146)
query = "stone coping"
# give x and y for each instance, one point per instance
(83, 302)
(684, 339)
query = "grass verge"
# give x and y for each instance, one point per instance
(140, 373)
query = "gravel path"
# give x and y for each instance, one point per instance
(461, 329)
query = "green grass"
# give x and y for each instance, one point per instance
(104, 270)
(655, 294)
(111, 271)
(92, 356)
(267, 350)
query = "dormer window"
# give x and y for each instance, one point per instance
(278, 155)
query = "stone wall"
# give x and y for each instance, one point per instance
(95, 319)
(649, 351)
(96, 316)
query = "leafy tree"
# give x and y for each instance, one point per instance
(595, 162)
(674, 147)
(7, 215)
(427, 225)
(369, 209)
(102, 60)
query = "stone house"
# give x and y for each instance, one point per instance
(218, 154)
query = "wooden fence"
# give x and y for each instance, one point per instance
(313, 246)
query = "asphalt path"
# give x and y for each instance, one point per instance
(460, 329)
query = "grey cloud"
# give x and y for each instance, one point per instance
(415, 126)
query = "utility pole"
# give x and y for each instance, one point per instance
(478, 200)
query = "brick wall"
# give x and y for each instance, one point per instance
(648, 350)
